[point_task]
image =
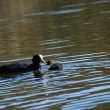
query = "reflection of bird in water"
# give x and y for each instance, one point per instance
(53, 66)
(38, 74)
(8, 75)
(23, 67)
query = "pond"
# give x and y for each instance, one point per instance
(75, 33)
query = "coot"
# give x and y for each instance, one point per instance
(53, 66)
(23, 67)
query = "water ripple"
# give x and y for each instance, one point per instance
(72, 85)
(72, 5)
(56, 12)
(58, 47)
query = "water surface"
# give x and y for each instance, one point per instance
(73, 33)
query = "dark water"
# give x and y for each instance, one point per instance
(75, 33)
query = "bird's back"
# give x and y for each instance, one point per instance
(16, 67)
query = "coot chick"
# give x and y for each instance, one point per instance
(23, 67)
(53, 66)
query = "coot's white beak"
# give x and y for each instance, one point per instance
(42, 60)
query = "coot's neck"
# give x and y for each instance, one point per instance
(36, 66)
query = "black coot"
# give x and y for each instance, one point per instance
(23, 67)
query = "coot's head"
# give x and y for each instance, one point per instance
(37, 59)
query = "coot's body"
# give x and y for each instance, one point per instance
(55, 66)
(16, 67)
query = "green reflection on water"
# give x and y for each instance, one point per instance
(23, 28)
